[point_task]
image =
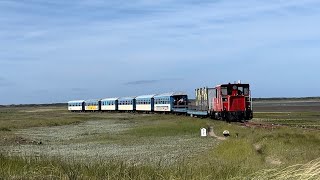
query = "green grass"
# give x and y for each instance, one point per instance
(24, 117)
(252, 153)
(169, 126)
(43, 168)
(295, 119)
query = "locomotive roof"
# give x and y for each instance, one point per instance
(232, 84)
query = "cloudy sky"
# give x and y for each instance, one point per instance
(58, 50)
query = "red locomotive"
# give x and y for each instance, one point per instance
(230, 102)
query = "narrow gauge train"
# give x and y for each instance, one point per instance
(230, 102)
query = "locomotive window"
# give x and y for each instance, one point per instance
(224, 91)
(246, 91)
(240, 90)
(230, 91)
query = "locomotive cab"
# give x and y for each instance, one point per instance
(232, 102)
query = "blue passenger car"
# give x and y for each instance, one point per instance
(145, 103)
(92, 105)
(109, 104)
(127, 104)
(171, 102)
(77, 105)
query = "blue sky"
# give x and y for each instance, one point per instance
(57, 50)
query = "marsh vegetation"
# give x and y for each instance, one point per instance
(51, 143)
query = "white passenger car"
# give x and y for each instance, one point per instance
(109, 104)
(127, 104)
(77, 105)
(145, 103)
(170, 102)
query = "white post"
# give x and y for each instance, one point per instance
(203, 132)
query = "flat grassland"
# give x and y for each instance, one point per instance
(281, 142)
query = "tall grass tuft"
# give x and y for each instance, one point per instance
(308, 171)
